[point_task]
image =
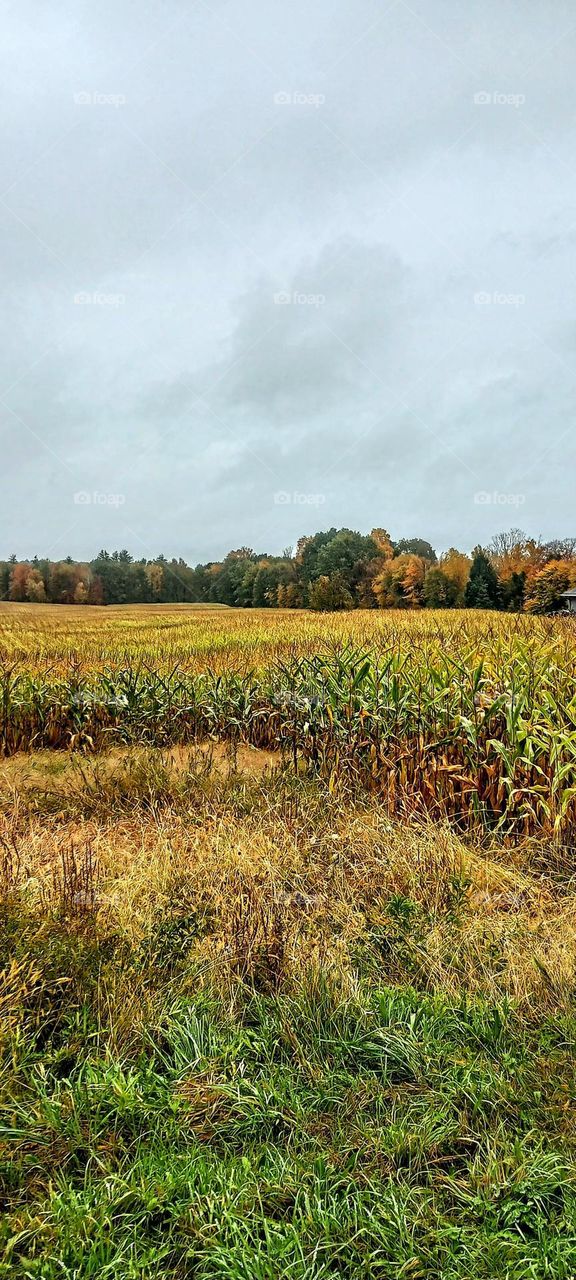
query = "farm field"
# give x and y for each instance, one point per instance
(288, 932)
(467, 715)
(192, 634)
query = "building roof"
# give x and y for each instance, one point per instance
(568, 595)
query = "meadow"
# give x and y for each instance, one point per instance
(288, 931)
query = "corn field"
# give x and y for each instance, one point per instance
(468, 716)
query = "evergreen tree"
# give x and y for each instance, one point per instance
(513, 591)
(482, 589)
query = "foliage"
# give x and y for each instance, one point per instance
(368, 570)
(400, 583)
(439, 591)
(416, 547)
(456, 566)
(545, 587)
(329, 593)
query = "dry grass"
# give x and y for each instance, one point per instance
(270, 880)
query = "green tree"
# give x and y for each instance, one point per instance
(513, 591)
(4, 579)
(327, 594)
(349, 554)
(416, 547)
(226, 587)
(439, 591)
(307, 551)
(482, 589)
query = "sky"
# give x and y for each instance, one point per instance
(269, 268)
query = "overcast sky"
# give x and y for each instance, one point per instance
(270, 267)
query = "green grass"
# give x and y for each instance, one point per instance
(163, 1119)
(392, 1134)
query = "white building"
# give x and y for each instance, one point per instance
(570, 598)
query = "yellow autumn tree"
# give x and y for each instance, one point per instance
(456, 566)
(155, 575)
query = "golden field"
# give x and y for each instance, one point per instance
(465, 715)
(219, 636)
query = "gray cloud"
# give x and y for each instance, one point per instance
(324, 250)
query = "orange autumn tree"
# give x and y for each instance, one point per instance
(400, 583)
(383, 542)
(513, 552)
(19, 581)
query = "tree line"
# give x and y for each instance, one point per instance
(331, 570)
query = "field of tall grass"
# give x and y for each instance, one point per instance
(469, 716)
(288, 939)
